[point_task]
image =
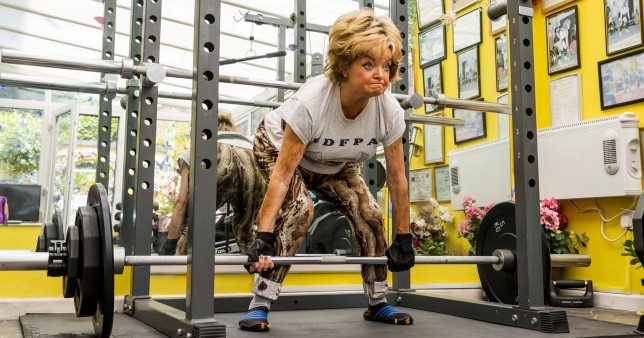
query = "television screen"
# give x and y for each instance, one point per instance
(23, 200)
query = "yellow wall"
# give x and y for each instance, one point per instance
(609, 271)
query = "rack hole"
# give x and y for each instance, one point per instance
(205, 164)
(209, 18)
(206, 104)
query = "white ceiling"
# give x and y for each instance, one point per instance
(70, 28)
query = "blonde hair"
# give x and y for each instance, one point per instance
(226, 121)
(358, 34)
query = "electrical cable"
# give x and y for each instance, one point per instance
(604, 219)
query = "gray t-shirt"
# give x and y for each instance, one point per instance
(184, 159)
(315, 115)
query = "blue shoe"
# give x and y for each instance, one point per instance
(255, 320)
(387, 314)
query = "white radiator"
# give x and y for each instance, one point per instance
(595, 158)
(481, 171)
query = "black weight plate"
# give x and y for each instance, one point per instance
(498, 231)
(58, 224)
(49, 231)
(72, 242)
(40, 245)
(104, 314)
(89, 272)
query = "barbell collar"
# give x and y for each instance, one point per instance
(127, 68)
(154, 73)
(119, 260)
(507, 260)
(111, 82)
(413, 101)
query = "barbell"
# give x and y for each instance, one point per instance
(155, 73)
(87, 260)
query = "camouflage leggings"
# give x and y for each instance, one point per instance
(240, 184)
(345, 190)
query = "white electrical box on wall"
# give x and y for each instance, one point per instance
(481, 171)
(589, 159)
(594, 158)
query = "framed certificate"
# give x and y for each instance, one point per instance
(565, 100)
(433, 143)
(420, 185)
(442, 183)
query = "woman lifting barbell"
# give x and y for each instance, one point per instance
(316, 142)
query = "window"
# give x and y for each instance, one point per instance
(20, 131)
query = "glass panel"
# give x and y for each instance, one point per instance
(85, 159)
(173, 139)
(61, 164)
(20, 131)
(28, 94)
(85, 99)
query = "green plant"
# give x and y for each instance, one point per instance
(629, 247)
(429, 229)
(20, 144)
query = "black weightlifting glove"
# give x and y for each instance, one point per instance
(264, 245)
(400, 255)
(169, 247)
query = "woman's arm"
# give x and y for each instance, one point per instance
(287, 160)
(180, 205)
(398, 185)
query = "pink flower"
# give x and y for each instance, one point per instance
(550, 219)
(463, 226)
(468, 201)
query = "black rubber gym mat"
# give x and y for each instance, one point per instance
(58, 325)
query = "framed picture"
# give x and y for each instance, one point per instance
(433, 83)
(433, 141)
(503, 120)
(623, 22)
(549, 5)
(499, 25)
(467, 30)
(442, 183)
(501, 48)
(468, 74)
(620, 80)
(565, 100)
(563, 44)
(429, 11)
(432, 45)
(457, 5)
(474, 127)
(420, 185)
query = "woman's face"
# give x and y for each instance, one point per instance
(370, 76)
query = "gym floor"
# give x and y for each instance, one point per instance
(49, 317)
